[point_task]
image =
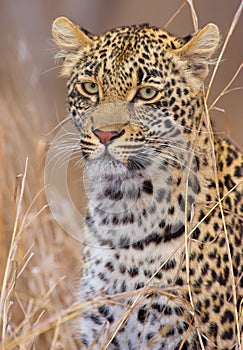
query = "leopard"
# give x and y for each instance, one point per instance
(162, 259)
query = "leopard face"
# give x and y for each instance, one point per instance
(125, 90)
(135, 95)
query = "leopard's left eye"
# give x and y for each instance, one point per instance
(147, 93)
(88, 89)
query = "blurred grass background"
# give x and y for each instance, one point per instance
(32, 101)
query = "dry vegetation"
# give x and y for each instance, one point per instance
(39, 263)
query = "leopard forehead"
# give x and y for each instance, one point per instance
(124, 50)
(139, 38)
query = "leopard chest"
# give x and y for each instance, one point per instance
(130, 286)
(128, 268)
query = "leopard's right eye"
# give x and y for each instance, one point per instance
(88, 89)
(147, 93)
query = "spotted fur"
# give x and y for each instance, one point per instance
(163, 255)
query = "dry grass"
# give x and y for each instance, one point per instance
(39, 263)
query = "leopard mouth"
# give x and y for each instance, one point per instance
(133, 163)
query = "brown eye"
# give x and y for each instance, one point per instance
(88, 89)
(147, 93)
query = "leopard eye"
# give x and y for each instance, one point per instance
(88, 89)
(147, 93)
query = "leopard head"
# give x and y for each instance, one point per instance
(131, 82)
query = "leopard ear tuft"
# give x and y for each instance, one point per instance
(199, 49)
(71, 41)
(69, 36)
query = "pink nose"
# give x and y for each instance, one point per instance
(105, 136)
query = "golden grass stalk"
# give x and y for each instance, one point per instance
(175, 15)
(3, 254)
(193, 15)
(226, 89)
(8, 289)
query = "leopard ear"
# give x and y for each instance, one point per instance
(199, 48)
(71, 41)
(68, 36)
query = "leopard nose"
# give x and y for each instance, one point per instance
(107, 136)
